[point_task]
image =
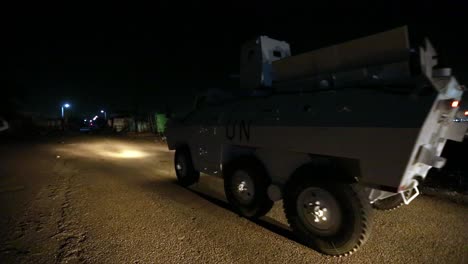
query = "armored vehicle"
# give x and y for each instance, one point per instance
(332, 132)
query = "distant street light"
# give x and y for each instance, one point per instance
(95, 117)
(64, 106)
(105, 114)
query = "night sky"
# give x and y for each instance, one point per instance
(136, 59)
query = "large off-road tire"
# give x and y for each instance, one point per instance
(331, 217)
(186, 173)
(245, 185)
(389, 204)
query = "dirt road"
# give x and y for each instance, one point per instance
(95, 199)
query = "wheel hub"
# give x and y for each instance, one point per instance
(319, 210)
(180, 166)
(243, 187)
(319, 213)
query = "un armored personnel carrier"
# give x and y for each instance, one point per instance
(333, 132)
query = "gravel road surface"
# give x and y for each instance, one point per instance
(97, 199)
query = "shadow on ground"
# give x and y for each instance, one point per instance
(168, 187)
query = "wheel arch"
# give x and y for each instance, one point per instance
(177, 145)
(328, 168)
(237, 153)
(230, 153)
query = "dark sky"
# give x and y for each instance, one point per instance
(121, 57)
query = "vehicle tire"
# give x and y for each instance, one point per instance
(186, 173)
(333, 218)
(245, 185)
(390, 203)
